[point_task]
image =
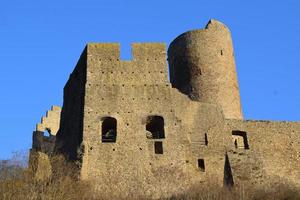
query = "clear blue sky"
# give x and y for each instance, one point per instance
(42, 40)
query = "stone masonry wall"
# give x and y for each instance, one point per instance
(130, 165)
(273, 155)
(130, 91)
(43, 145)
(49, 123)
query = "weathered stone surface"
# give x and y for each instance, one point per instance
(51, 121)
(202, 65)
(42, 144)
(40, 164)
(50, 124)
(136, 134)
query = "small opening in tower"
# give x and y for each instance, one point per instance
(221, 52)
(201, 165)
(155, 127)
(47, 132)
(109, 130)
(158, 148)
(205, 139)
(240, 139)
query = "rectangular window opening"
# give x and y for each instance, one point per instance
(201, 165)
(158, 148)
(240, 139)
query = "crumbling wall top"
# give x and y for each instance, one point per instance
(51, 121)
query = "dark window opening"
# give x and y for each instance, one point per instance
(240, 139)
(201, 165)
(158, 148)
(205, 139)
(155, 126)
(109, 129)
(221, 52)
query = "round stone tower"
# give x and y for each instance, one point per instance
(202, 65)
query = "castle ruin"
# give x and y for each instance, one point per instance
(140, 134)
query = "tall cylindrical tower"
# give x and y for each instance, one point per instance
(202, 65)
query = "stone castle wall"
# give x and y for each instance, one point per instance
(130, 92)
(273, 154)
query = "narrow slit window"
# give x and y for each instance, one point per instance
(109, 130)
(158, 148)
(205, 139)
(240, 139)
(155, 127)
(201, 165)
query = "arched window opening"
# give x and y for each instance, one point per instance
(155, 127)
(109, 130)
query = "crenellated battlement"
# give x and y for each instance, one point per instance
(109, 51)
(148, 64)
(154, 52)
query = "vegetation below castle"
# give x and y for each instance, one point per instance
(19, 183)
